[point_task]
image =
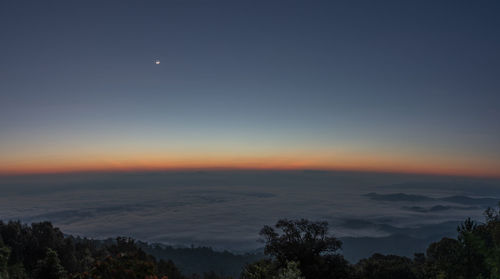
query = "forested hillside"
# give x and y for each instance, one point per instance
(196, 260)
(294, 248)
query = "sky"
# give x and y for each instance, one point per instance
(390, 86)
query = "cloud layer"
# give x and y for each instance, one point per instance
(227, 209)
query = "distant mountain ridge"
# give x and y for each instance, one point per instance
(465, 200)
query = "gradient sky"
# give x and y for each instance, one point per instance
(410, 86)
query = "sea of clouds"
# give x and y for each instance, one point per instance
(226, 209)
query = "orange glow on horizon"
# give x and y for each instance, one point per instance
(383, 165)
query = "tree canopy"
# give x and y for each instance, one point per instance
(295, 249)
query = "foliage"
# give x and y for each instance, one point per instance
(299, 240)
(385, 267)
(168, 269)
(200, 259)
(309, 245)
(124, 260)
(474, 254)
(297, 249)
(263, 269)
(291, 271)
(50, 267)
(42, 251)
(4, 258)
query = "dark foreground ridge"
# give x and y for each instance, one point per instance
(294, 249)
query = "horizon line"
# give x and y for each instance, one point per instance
(236, 168)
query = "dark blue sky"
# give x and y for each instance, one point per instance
(341, 84)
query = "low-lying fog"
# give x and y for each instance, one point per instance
(226, 209)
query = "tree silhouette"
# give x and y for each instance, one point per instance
(386, 267)
(4, 259)
(291, 271)
(50, 267)
(307, 243)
